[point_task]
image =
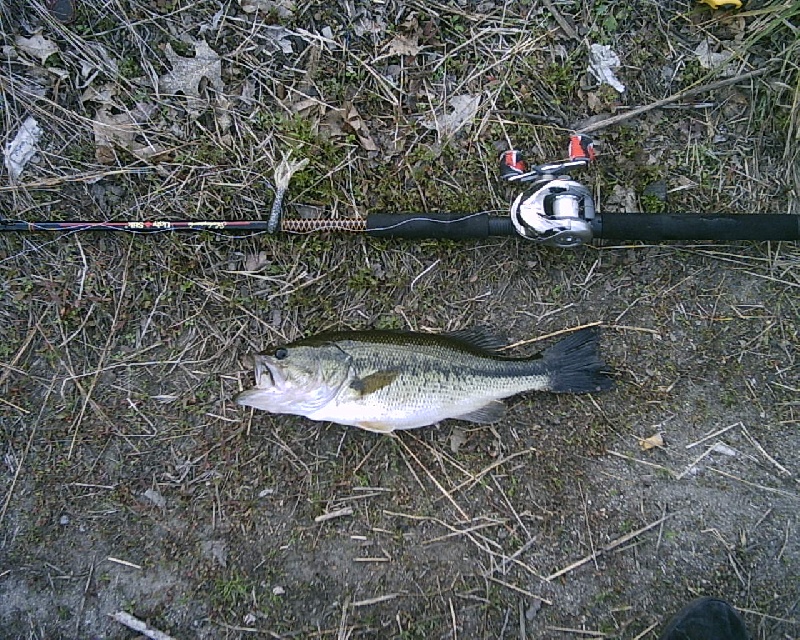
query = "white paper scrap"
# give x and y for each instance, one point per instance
(602, 62)
(22, 148)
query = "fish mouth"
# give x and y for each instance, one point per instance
(266, 374)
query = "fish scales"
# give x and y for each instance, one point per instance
(435, 370)
(382, 380)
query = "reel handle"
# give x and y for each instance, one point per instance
(651, 227)
(453, 226)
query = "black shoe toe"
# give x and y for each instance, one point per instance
(706, 619)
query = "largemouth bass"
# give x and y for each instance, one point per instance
(387, 380)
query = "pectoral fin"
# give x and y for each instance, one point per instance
(373, 382)
(491, 412)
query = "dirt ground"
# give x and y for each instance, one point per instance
(131, 483)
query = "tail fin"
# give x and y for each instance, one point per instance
(574, 366)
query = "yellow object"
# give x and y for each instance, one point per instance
(724, 4)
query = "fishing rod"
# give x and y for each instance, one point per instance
(552, 210)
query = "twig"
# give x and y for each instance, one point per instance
(375, 600)
(124, 563)
(646, 631)
(769, 617)
(694, 463)
(473, 536)
(8, 368)
(453, 619)
(524, 592)
(552, 335)
(462, 532)
(609, 547)
(87, 395)
(713, 435)
(756, 444)
(503, 566)
(79, 620)
(566, 27)
(675, 97)
(347, 511)
(644, 462)
(139, 625)
(780, 492)
(482, 473)
(785, 540)
(580, 632)
(433, 479)
(21, 462)
(627, 327)
(588, 524)
(342, 631)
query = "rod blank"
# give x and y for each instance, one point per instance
(461, 226)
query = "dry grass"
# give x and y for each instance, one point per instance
(131, 482)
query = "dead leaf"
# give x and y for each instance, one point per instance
(37, 46)
(8, 52)
(622, 198)
(353, 120)
(463, 109)
(594, 102)
(277, 39)
(340, 122)
(105, 94)
(457, 438)
(653, 442)
(122, 130)
(369, 26)
(404, 45)
(709, 59)
(255, 261)
(282, 8)
(188, 73)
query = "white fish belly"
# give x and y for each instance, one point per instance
(403, 405)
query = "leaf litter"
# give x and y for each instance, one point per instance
(192, 77)
(37, 46)
(459, 113)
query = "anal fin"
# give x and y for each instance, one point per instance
(376, 427)
(491, 412)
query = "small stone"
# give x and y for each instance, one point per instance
(156, 498)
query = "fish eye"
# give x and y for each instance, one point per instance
(281, 353)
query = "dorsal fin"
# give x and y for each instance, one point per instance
(479, 338)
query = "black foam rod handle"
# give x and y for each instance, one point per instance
(455, 226)
(663, 227)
